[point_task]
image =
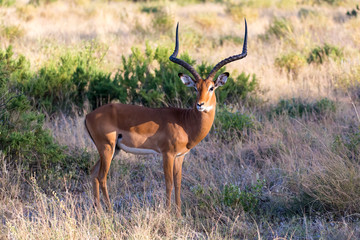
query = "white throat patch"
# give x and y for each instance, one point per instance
(204, 109)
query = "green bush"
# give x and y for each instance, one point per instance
(304, 13)
(319, 2)
(354, 12)
(11, 32)
(150, 9)
(248, 198)
(226, 122)
(41, 2)
(7, 3)
(147, 78)
(237, 88)
(320, 54)
(279, 28)
(23, 140)
(11, 69)
(139, 83)
(58, 85)
(291, 62)
(163, 21)
(297, 107)
(150, 79)
(61, 84)
(102, 89)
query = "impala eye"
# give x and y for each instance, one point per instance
(211, 89)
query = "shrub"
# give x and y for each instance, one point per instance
(11, 32)
(163, 21)
(237, 88)
(150, 9)
(102, 89)
(146, 78)
(248, 199)
(291, 62)
(304, 13)
(150, 79)
(231, 197)
(296, 107)
(321, 54)
(227, 122)
(354, 12)
(41, 2)
(319, 2)
(7, 3)
(279, 28)
(23, 141)
(60, 85)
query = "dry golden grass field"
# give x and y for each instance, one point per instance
(282, 160)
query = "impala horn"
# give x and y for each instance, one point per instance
(232, 58)
(182, 62)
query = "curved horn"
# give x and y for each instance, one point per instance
(232, 58)
(181, 62)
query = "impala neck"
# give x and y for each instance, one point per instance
(199, 124)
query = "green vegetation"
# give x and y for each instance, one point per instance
(231, 196)
(163, 21)
(320, 54)
(65, 84)
(7, 3)
(228, 122)
(248, 199)
(279, 28)
(304, 13)
(291, 62)
(11, 32)
(353, 13)
(41, 2)
(297, 107)
(23, 140)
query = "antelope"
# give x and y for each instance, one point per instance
(171, 132)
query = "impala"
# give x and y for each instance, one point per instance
(171, 132)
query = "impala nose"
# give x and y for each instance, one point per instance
(200, 104)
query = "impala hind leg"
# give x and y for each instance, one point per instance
(106, 156)
(177, 183)
(94, 173)
(168, 164)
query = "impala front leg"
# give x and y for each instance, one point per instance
(168, 164)
(177, 183)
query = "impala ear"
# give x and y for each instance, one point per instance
(187, 80)
(221, 80)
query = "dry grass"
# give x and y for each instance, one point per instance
(294, 156)
(312, 181)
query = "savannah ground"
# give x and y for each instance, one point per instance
(281, 162)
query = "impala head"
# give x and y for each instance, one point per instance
(205, 88)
